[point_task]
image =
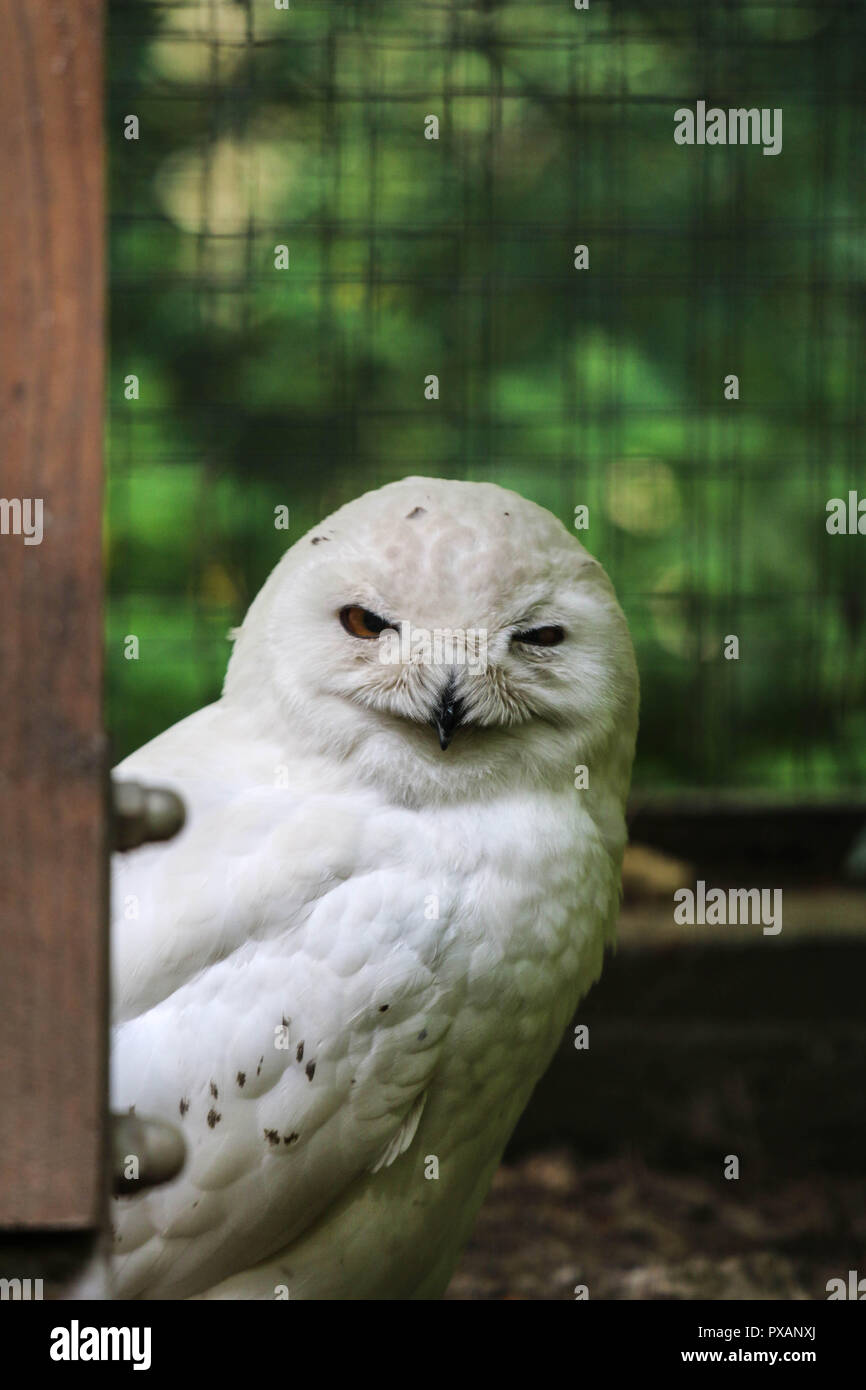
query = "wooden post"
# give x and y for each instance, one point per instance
(52, 751)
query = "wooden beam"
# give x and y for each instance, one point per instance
(52, 750)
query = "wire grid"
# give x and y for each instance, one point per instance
(262, 387)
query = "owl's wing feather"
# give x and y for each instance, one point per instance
(270, 1002)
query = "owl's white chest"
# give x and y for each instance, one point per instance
(509, 907)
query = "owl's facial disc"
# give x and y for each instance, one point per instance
(483, 676)
(522, 666)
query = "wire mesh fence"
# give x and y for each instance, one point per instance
(317, 210)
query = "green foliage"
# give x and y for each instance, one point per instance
(303, 387)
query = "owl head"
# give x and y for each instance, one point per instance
(443, 640)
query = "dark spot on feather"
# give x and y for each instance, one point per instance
(422, 1035)
(242, 1076)
(194, 1205)
(213, 1090)
(317, 540)
(310, 1069)
(290, 1138)
(416, 511)
(506, 514)
(259, 1067)
(213, 1117)
(383, 1008)
(300, 1052)
(272, 1136)
(183, 1107)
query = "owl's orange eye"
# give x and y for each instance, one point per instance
(542, 636)
(360, 622)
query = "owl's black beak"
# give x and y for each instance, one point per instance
(447, 716)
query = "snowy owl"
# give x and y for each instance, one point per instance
(399, 870)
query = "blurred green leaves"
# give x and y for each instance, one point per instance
(304, 387)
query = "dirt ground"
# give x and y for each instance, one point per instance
(627, 1232)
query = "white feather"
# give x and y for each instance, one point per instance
(344, 977)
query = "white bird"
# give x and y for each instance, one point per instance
(343, 979)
